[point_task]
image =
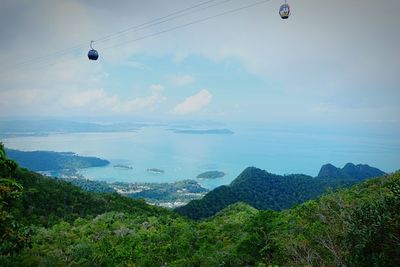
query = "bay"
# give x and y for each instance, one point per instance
(184, 156)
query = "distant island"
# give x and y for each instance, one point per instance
(155, 170)
(121, 166)
(209, 131)
(211, 175)
(12, 128)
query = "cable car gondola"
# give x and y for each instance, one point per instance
(92, 54)
(284, 11)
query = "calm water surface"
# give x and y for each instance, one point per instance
(184, 156)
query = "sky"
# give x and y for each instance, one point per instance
(331, 63)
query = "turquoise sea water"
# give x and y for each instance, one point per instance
(184, 156)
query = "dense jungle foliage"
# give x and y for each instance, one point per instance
(358, 226)
(264, 190)
(49, 160)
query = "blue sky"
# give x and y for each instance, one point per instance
(332, 63)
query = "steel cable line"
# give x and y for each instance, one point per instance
(181, 26)
(189, 23)
(141, 26)
(162, 19)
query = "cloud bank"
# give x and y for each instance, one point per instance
(194, 103)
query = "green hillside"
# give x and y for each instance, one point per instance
(53, 161)
(46, 201)
(264, 190)
(359, 226)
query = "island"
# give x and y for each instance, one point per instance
(124, 167)
(155, 171)
(209, 131)
(211, 175)
(54, 126)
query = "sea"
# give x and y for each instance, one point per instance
(186, 155)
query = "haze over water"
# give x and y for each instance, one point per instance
(184, 156)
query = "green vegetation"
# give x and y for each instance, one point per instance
(89, 185)
(264, 190)
(359, 226)
(64, 166)
(358, 172)
(46, 201)
(53, 161)
(211, 175)
(13, 236)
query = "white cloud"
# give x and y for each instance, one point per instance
(90, 98)
(96, 101)
(99, 100)
(194, 103)
(25, 97)
(181, 80)
(156, 88)
(147, 102)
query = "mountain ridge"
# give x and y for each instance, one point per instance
(350, 170)
(264, 190)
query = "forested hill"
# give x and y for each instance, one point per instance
(44, 222)
(355, 227)
(46, 201)
(264, 190)
(50, 160)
